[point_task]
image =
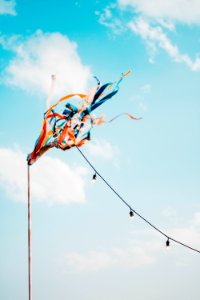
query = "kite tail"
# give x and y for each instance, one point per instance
(101, 120)
(106, 92)
(127, 114)
(118, 81)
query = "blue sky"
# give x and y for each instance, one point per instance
(85, 246)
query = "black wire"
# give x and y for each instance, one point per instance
(128, 205)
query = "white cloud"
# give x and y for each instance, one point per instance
(185, 11)
(143, 106)
(169, 212)
(90, 262)
(189, 235)
(52, 180)
(166, 24)
(39, 56)
(102, 148)
(143, 248)
(7, 7)
(94, 261)
(107, 19)
(196, 220)
(155, 38)
(146, 88)
(141, 99)
(162, 14)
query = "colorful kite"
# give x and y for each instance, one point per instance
(68, 124)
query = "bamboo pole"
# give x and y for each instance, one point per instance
(29, 240)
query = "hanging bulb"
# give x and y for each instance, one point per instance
(167, 243)
(131, 213)
(94, 178)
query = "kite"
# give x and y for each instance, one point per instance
(68, 124)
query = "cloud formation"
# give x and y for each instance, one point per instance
(155, 37)
(52, 180)
(7, 7)
(39, 56)
(108, 19)
(94, 261)
(152, 21)
(144, 248)
(102, 148)
(185, 11)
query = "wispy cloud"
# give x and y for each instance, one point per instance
(52, 180)
(152, 21)
(108, 19)
(102, 148)
(95, 261)
(175, 10)
(155, 38)
(169, 213)
(39, 56)
(7, 7)
(196, 220)
(141, 98)
(143, 248)
(146, 88)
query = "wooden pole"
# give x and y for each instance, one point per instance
(29, 240)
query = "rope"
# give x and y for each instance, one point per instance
(133, 210)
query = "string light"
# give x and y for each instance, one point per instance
(94, 177)
(167, 243)
(133, 210)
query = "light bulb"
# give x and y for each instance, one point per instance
(94, 178)
(167, 243)
(131, 213)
